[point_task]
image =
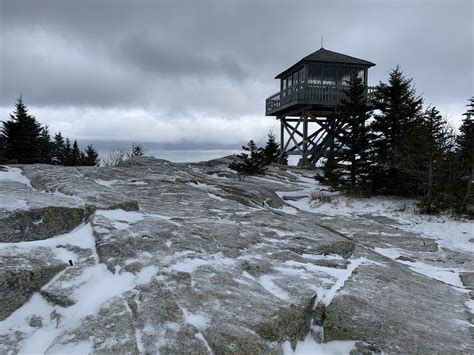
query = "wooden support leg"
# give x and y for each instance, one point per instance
(305, 138)
(283, 146)
(282, 140)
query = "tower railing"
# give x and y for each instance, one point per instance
(308, 93)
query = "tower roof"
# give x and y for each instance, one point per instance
(326, 56)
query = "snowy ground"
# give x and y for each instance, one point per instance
(326, 282)
(447, 231)
(97, 285)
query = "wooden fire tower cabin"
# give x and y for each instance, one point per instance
(309, 92)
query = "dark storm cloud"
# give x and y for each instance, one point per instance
(218, 58)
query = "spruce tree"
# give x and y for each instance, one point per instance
(252, 161)
(90, 156)
(465, 142)
(348, 164)
(397, 111)
(68, 160)
(22, 136)
(58, 156)
(46, 146)
(3, 159)
(76, 158)
(423, 163)
(272, 149)
(354, 112)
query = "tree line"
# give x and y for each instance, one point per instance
(390, 144)
(23, 140)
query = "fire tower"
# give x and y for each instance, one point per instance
(309, 92)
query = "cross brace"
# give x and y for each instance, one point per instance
(298, 141)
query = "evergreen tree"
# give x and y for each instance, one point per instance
(251, 161)
(22, 137)
(465, 142)
(90, 156)
(397, 112)
(58, 156)
(272, 150)
(470, 110)
(46, 146)
(348, 165)
(76, 157)
(424, 159)
(3, 158)
(23, 140)
(68, 160)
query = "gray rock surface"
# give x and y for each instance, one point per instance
(61, 290)
(22, 273)
(37, 216)
(77, 183)
(184, 258)
(401, 318)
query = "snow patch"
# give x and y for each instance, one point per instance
(98, 286)
(449, 233)
(81, 236)
(197, 320)
(470, 306)
(215, 197)
(139, 183)
(106, 183)
(391, 253)
(449, 276)
(11, 204)
(14, 174)
(266, 281)
(121, 215)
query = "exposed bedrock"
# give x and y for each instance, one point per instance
(111, 331)
(27, 214)
(22, 273)
(60, 291)
(40, 223)
(399, 310)
(76, 183)
(183, 258)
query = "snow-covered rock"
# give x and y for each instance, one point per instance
(184, 258)
(22, 273)
(28, 214)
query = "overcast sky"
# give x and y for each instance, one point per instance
(199, 71)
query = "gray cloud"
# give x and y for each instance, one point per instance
(214, 60)
(157, 56)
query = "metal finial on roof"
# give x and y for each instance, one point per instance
(321, 41)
